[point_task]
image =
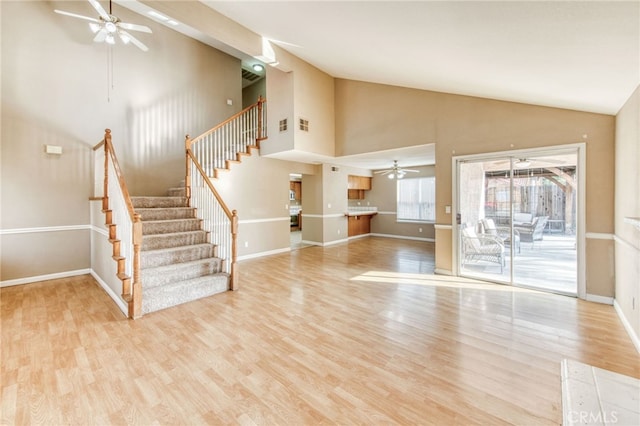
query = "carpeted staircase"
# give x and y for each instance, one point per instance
(178, 264)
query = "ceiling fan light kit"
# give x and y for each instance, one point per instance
(396, 172)
(107, 26)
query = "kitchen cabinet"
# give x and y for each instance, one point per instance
(355, 194)
(359, 225)
(356, 187)
(359, 182)
(296, 187)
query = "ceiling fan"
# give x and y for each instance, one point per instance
(525, 162)
(107, 26)
(396, 171)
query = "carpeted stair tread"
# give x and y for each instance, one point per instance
(167, 256)
(183, 291)
(175, 239)
(167, 274)
(177, 262)
(176, 192)
(170, 226)
(166, 213)
(146, 202)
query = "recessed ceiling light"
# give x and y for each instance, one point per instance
(258, 67)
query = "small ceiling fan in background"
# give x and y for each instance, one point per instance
(526, 162)
(107, 26)
(396, 171)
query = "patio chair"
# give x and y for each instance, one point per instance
(485, 247)
(503, 232)
(533, 232)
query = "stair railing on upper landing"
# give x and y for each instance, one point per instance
(125, 226)
(216, 149)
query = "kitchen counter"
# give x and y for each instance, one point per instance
(361, 213)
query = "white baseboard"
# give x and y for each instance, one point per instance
(439, 271)
(264, 253)
(116, 298)
(355, 237)
(630, 331)
(599, 299)
(404, 237)
(34, 279)
(330, 243)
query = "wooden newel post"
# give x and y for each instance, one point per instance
(135, 306)
(260, 102)
(234, 285)
(105, 188)
(187, 178)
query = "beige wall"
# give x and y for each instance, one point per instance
(279, 107)
(627, 204)
(258, 188)
(303, 92)
(313, 101)
(371, 117)
(383, 196)
(251, 93)
(54, 91)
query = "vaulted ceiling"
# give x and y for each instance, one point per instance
(581, 55)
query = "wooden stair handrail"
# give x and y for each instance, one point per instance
(132, 294)
(231, 215)
(258, 104)
(123, 186)
(226, 209)
(191, 158)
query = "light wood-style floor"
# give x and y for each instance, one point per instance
(356, 333)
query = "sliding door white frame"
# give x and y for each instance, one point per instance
(580, 149)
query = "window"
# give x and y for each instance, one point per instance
(417, 199)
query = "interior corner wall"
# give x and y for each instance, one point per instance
(627, 205)
(258, 188)
(383, 196)
(279, 107)
(313, 101)
(374, 117)
(55, 91)
(250, 94)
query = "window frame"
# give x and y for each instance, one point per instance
(431, 179)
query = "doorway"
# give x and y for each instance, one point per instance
(520, 218)
(295, 210)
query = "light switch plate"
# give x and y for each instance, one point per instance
(53, 149)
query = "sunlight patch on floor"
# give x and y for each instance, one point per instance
(431, 280)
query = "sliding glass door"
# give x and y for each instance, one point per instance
(518, 219)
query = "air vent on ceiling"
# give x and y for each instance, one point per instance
(304, 125)
(249, 75)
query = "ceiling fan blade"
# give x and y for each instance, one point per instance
(133, 40)
(74, 15)
(410, 171)
(383, 172)
(103, 13)
(134, 27)
(100, 36)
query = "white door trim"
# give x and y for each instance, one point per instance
(580, 149)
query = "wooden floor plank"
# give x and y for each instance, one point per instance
(355, 333)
